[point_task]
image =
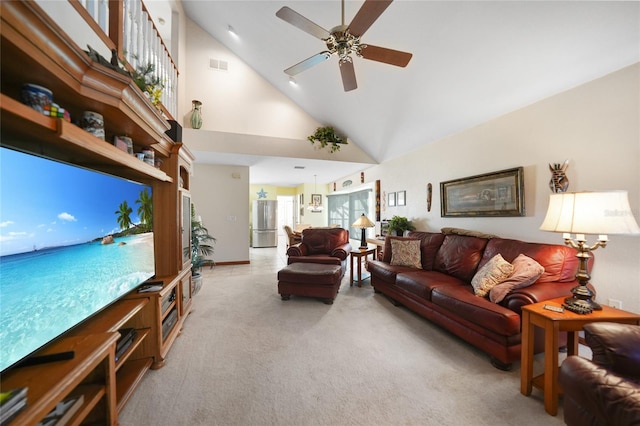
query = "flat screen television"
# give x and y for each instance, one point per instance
(72, 241)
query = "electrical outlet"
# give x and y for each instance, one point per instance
(614, 303)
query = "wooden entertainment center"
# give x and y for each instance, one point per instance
(36, 50)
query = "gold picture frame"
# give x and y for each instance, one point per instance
(492, 194)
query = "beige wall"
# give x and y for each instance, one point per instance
(596, 126)
(220, 195)
(238, 100)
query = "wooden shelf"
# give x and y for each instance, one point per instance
(114, 317)
(92, 396)
(35, 49)
(42, 53)
(27, 130)
(128, 379)
(49, 383)
(142, 334)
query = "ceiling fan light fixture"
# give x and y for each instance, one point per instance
(344, 41)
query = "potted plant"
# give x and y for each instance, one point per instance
(327, 136)
(400, 224)
(200, 249)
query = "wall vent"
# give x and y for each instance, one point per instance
(218, 64)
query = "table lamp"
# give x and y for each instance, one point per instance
(580, 213)
(363, 222)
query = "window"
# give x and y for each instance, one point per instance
(344, 209)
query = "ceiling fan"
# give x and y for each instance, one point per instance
(344, 40)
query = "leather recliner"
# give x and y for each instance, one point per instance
(605, 390)
(322, 245)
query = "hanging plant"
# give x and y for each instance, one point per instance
(327, 136)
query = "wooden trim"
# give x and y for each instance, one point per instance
(94, 25)
(116, 25)
(236, 262)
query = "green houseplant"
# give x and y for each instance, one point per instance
(327, 136)
(200, 249)
(400, 224)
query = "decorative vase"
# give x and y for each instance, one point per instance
(196, 115)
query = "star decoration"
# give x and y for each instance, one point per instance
(261, 193)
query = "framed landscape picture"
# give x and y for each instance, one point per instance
(492, 194)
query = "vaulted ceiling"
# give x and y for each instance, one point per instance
(472, 61)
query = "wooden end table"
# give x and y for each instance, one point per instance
(535, 315)
(359, 254)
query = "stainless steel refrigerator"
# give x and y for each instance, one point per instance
(265, 219)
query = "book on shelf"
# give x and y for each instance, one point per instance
(11, 403)
(63, 412)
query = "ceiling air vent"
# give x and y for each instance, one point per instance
(218, 64)
(298, 167)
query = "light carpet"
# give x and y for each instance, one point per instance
(247, 358)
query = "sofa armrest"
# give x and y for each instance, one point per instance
(594, 395)
(297, 250)
(342, 251)
(537, 292)
(615, 347)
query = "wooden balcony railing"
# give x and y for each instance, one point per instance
(127, 27)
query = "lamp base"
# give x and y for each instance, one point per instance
(363, 240)
(582, 301)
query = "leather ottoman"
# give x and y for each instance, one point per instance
(311, 280)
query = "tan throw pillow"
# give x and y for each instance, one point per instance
(526, 271)
(406, 253)
(491, 274)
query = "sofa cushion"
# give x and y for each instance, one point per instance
(385, 272)
(459, 256)
(559, 262)
(386, 251)
(406, 253)
(491, 274)
(480, 311)
(526, 271)
(421, 283)
(430, 242)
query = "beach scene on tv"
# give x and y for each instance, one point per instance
(72, 241)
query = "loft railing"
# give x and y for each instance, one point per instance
(127, 27)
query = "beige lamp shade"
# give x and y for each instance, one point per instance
(363, 222)
(598, 212)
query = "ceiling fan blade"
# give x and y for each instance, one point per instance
(294, 18)
(308, 63)
(388, 56)
(348, 75)
(367, 15)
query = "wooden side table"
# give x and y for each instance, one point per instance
(535, 315)
(379, 243)
(359, 254)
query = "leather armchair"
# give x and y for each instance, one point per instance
(322, 245)
(605, 390)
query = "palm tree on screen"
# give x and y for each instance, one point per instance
(124, 215)
(145, 209)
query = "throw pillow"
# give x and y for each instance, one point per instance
(526, 271)
(491, 274)
(406, 253)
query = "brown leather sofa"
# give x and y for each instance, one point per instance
(441, 292)
(322, 245)
(605, 390)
